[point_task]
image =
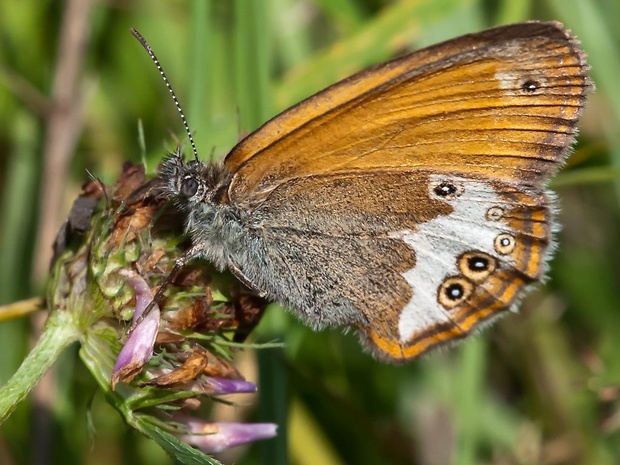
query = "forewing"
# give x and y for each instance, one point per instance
(501, 103)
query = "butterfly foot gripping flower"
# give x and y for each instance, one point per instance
(161, 364)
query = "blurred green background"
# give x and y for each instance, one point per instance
(539, 387)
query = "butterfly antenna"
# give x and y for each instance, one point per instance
(149, 50)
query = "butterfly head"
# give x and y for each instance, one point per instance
(189, 182)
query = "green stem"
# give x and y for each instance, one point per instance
(59, 332)
(470, 401)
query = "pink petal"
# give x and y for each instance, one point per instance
(139, 346)
(215, 437)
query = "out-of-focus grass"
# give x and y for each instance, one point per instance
(540, 387)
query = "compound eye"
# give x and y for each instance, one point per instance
(189, 187)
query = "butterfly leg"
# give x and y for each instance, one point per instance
(245, 280)
(179, 264)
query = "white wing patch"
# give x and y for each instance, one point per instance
(438, 244)
(513, 81)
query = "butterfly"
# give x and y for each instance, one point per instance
(407, 201)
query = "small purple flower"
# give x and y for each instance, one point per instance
(139, 346)
(220, 386)
(207, 385)
(215, 437)
(223, 386)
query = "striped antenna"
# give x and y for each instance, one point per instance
(149, 50)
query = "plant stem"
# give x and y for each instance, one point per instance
(59, 332)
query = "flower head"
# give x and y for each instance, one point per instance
(153, 357)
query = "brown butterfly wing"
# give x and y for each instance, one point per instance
(408, 200)
(381, 250)
(503, 102)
